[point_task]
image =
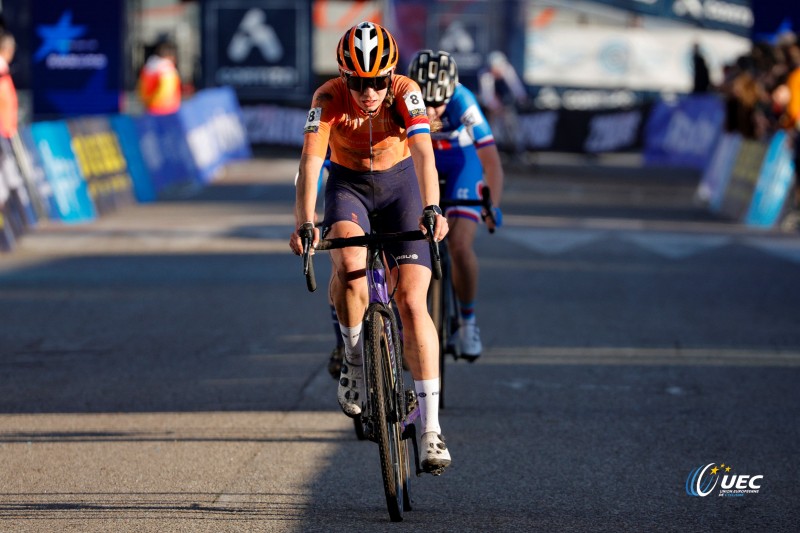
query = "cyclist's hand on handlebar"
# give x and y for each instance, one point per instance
(495, 220)
(440, 227)
(305, 231)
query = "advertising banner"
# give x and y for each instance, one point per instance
(39, 188)
(716, 175)
(77, 57)
(102, 163)
(331, 18)
(741, 186)
(463, 29)
(684, 133)
(261, 48)
(653, 59)
(69, 190)
(214, 130)
(275, 125)
(125, 128)
(166, 154)
(596, 131)
(734, 16)
(774, 184)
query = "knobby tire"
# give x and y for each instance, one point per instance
(386, 392)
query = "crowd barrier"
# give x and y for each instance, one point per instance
(745, 180)
(78, 169)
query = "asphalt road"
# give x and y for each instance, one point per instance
(163, 369)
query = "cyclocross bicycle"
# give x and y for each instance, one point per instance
(442, 299)
(389, 410)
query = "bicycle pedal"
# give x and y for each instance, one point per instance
(438, 471)
(411, 400)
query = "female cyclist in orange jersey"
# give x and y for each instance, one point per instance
(382, 164)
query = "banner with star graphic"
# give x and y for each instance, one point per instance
(76, 64)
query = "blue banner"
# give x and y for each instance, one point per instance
(684, 133)
(128, 138)
(70, 192)
(774, 183)
(163, 146)
(77, 57)
(215, 131)
(718, 172)
(734, 16)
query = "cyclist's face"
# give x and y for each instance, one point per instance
(435, 112)
(369, 99)
(368, 93)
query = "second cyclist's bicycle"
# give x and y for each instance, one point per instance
(442, 299)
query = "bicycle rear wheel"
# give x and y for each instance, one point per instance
(387, 394)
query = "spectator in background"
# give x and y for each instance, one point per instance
(501, 92)
(9, 107)
(702, 78)
(791, 117)
(159, 81)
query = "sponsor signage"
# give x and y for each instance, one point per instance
(774, 184)
(102, 163)
(260, 48)
(743, 180)
(70, 193)
(684, 133)
(734, 16)
(463, 30)
(76, 67)
(583, 131)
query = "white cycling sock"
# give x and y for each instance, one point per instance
(428, 398)
(353, 344)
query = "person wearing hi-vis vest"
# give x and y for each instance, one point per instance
(8, 93)
(159, 81)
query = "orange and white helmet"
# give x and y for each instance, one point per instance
(367, 50)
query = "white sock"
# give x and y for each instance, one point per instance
(428, 398)
(464, 321)
(353, 344)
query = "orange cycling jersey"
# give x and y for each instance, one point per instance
(355, 138)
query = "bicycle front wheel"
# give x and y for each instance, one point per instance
(387, 395)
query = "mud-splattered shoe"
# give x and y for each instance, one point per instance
(435, 456)
(351, 381)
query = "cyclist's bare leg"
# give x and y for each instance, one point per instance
(465, 262)
(420, 341)
(465, 282)
(349, 294)
(421, 346)
(349, 285)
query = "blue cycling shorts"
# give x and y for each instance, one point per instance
(464, 180)
(391, 196)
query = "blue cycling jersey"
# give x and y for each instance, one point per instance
(464, 131)
(464, 125)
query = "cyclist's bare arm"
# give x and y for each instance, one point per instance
(493, 175)
(492, 171)
(428, 178)
(306, 196)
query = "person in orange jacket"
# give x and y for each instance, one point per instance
(9, 107)
(159, 81)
